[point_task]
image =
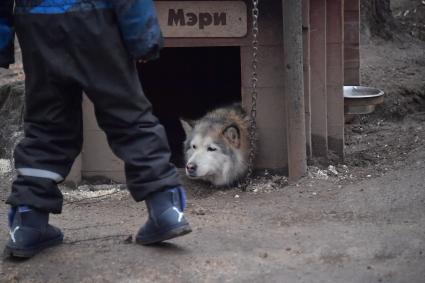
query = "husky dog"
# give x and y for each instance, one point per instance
(217, 146)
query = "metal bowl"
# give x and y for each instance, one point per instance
(361, 92)
(361, 99)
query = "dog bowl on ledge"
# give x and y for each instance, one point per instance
(361, 99)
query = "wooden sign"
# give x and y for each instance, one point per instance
(202, 18)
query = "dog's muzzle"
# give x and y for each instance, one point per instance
(191, 169)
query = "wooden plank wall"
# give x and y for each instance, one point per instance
(319, 125)
(326, 59)
(307, 71)
(335, 75)
(272, 151)
(351, 42)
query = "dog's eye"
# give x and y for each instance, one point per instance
(193, 146)
(211, 148)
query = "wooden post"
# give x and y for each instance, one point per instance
(294, 88)
(272, 151)
(319, 125)
(307, 90)
(335, 75)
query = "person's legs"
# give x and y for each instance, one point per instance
(53, 138)
(53, 114)
(134, 134)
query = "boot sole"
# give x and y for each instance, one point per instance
(30, 252)
(170, 234)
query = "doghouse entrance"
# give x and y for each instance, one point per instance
(188, 82)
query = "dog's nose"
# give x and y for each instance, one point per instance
(191, 168)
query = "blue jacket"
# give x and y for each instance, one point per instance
(136, 19)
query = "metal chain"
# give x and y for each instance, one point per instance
(254, 94)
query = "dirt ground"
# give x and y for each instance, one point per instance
(362, 220)
(315, 231)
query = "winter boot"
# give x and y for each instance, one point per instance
(166, 219)
(30, 232)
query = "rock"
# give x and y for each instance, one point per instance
(264, 255)
(128, 240)
(5, 166)
(332, 170)
(199, 211)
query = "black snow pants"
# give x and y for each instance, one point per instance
(64, 55)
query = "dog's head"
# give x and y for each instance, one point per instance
(211, 151)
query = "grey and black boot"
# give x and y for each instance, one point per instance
(166, 218)
(30, 232)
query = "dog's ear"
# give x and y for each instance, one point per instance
(233, 135)
(187, 126)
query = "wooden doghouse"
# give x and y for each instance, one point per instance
(301, 66)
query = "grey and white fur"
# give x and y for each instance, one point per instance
(217, 146)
